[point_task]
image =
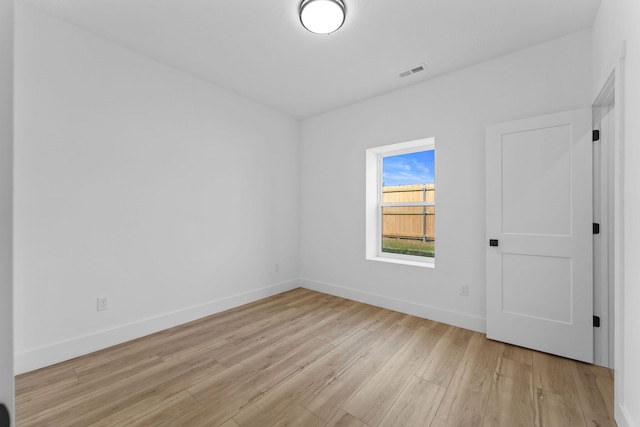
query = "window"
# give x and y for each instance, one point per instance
(400, 201)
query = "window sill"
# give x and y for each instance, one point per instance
(430, 263)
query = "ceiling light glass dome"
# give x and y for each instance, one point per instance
(322, 16)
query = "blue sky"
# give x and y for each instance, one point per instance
(412, 168)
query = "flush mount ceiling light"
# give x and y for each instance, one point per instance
(322, 16)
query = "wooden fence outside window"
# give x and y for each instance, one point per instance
(409, 222)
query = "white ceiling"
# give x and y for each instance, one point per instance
(257, 48)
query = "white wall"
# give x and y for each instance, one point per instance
(6, 167)
(455, 109)
(172, 197)
(616, 35)
(137, 182)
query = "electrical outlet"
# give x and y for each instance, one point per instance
(464, 291)
(103, 304)
(276, 268)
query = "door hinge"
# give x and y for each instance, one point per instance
(5, 419)
(596, 321)
(595, 135)
(596, 228)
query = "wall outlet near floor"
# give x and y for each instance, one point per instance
(276, 268)
(464, 291)
(103, 304)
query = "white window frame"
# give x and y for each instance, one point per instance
(374, 205)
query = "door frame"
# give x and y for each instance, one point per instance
(612, 90)
(7, 394)
(614, 87)
(605, 170)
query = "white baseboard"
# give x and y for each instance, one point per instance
(462, 320)
(65, 350)
(623, 418)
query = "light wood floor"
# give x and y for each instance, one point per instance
(304, 358)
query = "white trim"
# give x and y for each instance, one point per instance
(64, 350)
(455, 318)
(606, 96)
(373, 202)
(614, 88)
(405, 147)
(621, 414)
(428, 262)
(623, 417)
(604, 214)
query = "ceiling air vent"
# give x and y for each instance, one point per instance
(411, 71)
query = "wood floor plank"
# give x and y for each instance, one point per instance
(439, 327)
(416, 406)
(231, 321)
(554, 374)
(74, 395)
(129, 363)
(518, 354)
(276, 362)
(413, 322)
(344, 419)
(349, 322)
(306, 358)
(388, 319)
(313, 299)
(291, 393)
(604, 380)
(265, 327)
(156, 410)
(553, 410)
(328, 399)
(300, 417)
(510, 402)
(594, 407)
(93, 402)
(441, 367)
(465, 401)
(211, 347)
(230, 423)
(556, 394)
(357, 321)
(376, 397)
(170, 380)
(280, 332)
(227, 394)
(261, 362)
(40, 385)
(38, 381)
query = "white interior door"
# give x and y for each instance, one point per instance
(539, 210)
